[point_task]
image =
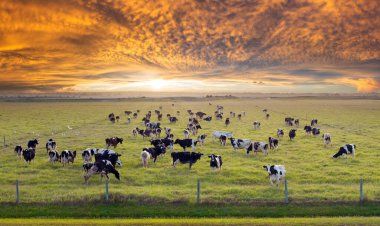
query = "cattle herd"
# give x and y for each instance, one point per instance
(106, 160)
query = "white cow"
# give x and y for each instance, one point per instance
(217, 134)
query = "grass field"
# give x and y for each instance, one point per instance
(313, 177)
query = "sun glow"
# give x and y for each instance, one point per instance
(157, 84)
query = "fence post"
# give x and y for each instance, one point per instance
(106, 194)
(361, 190)
(286, 192)
(4, 141)
(17, 193)
(198, 192)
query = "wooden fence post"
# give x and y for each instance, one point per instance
(198, 192)
(286, 192)
(17, 193)
(4, 142)
(106, 194)
(361, 190)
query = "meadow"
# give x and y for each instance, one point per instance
(312, 175)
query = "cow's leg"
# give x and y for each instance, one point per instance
(271, 182)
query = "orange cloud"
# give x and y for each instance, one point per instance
(363, 85)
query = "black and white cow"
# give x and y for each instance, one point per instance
(88, 153)
(314, 122)
(110, 155)
(347, 149)
(29, 154)
(273, 143)
(308, 129)
(215, 162)
(275, 172)
(258, 147)
(315, 131)
(154, 152)
(239, 116)
(173, 120)
(186, 133)
(292, 134)
(129, 120)
(223, 140)
(68, 156)
(201, 139)
(135, 115)
(18, 150)
(168, 131)
(326, 138)
(168, 143)
(113, 141)
(200, 114)
(289, 121)
(297, 122)
(208, 118)
(256, 124)
(232, 114)
(240, 143)
(54, 156)
(33, 144)
(280, 133)
(227, 122)
(153, 125)
(185, 143)
(51, 145)
(185, 157)
(102, 167)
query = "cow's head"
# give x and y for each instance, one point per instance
(176, 141)
(270, 169)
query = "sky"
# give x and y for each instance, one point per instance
(199, 46)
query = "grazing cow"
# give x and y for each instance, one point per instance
(29, 154)
(173, 120)
(186, 133)
(201, 139)
(127, 112)
(297, 122)
(292, 134)
(240, 143)
(289, 121)
(111, 117)
(232, 114)
(157, 131)
(168, 131)
(51, 145)
(186, 143)
(208, 118)
(153, 125)
(194, 129)
(185, 157)
(155, 152)
(280, 133)
(68, 156)
(223, 140)
(347, 149)
(219, 116)
(54, 156)
(227, 122)
(145, 156)
(215, 162)
(18, 150)
(102, 167)
(314, 122)
(113, 141)
(217, 134)
(117, 118)
(88, 153)
(110, 155)
(135, 132)
(267, 116)
(326, 138)
(275, 173)
(273, 143)
(307, 129)
(170, 137)
(258, 147)
(315, 131)
(168, 143)
(200, 114)
(32, 143)
(256, 124)
(239, 116)
(135, 115)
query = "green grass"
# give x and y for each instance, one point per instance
(313, 177)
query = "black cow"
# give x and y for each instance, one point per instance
(102, 167)
(32, 144)
(215, 161)
(223, 140)
(155, 152)
(307, 129)
(315, 131)
(185, 143)
(208, 118)
(185, 157)
(273, 143)
(29, 154)
(51, 145)
(113, 141)
(346, 149)
(109, 155)
(292, 134)
(18, 150)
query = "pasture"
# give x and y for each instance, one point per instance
(313, 177)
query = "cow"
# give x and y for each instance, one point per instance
(219, 116)
(227, 122)
(232, 114)
(292, 134)
(223, 140)
(265, 110)
(208, 118)
(18, 150)
(185, 157)
(315, 131)
(240, 143)
(88, 153)
(243, 113)
(117, 118)
(157, 131)
(289, 121)
(128, 120)
(145, 156)
(275, 172)
(200, 114)
(110, 155)
(314, 122)
(347, 149)
(273, 143)
(54, 156)
(51, 145)
(326, 139)
(215, 162)
(111, 117)
(154, 152)
(178, 113)
(297, 122)
(113, 141)
(68, 156)
(307, 129)
(102, 167)
(168, 143)
(267, 116)
(153, 125)
(217, 134)
(29, 154)
(135, 115)
(159, 117)
(168, 131)
(258, 147)
(127, 112)
(201, 139)
(239, 116)
(280, 133)
(194, 129)
(173, 120)
(135, 132)
(186, 133)
(33, 144)
(186, 143)
(256, 124)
